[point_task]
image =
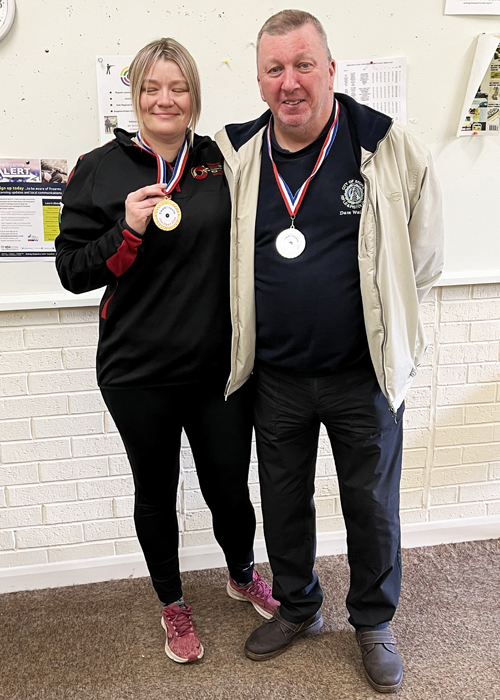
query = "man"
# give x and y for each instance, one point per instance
(325, 292)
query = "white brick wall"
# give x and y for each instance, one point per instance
(66, 491)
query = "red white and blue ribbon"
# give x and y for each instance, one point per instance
(293, 201)
(162, 164)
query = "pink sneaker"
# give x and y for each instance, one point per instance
(259, 593)
(183, 644)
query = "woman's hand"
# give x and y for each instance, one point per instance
(139, 206)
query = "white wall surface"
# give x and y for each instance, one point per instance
(49, 97)
(65, 484)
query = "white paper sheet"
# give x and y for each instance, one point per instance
(472, 7)
(113, 93)
(379, 83)
(481, 109)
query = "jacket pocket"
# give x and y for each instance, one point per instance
(105, 306)
(367, 232)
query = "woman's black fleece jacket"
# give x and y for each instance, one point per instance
(164, 317)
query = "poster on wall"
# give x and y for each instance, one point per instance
(472, 7)
(30, 199)
(113, 93)
(481, 109)
(379, 83)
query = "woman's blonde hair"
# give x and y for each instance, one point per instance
(168, 50)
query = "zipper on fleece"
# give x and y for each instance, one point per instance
(232, 373)
(392, 408)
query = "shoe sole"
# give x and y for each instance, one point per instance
(174, 657)
(312, 630)
(237, 596)
(383, 688)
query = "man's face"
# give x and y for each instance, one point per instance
(296, 79)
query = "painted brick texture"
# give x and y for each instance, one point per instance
(66, 491)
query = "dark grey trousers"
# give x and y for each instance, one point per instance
(366, 442)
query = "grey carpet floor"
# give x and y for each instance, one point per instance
(104, 641)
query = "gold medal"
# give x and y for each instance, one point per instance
(167, 214)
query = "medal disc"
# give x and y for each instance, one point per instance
(167, 215)
(290, 243)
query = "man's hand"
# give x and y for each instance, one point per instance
(139, 206)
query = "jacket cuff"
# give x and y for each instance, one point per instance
(123, 225)
(126, 253)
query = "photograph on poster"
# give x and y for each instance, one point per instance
(54, 170)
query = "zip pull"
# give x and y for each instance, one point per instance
(394, 413)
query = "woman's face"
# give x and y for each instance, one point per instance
(165, 102)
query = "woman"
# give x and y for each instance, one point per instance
(148, 215)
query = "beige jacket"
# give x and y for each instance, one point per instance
(400, 249)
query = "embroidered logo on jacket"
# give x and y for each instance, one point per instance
(200, 172)
(353, 194)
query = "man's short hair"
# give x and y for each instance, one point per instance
(287, 21)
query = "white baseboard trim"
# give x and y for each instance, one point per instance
(71, 573)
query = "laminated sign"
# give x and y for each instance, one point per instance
(481, 110)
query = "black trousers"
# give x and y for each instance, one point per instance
(150, 422)
(366, 442)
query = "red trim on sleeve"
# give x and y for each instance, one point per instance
(120, 262)
(72, 172)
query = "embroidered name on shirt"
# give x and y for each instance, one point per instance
(200, 172)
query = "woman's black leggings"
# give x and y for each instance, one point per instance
(150, 422)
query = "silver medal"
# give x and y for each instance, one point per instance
(290, 243)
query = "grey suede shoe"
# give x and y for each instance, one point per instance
(276, 635)
(381, 660)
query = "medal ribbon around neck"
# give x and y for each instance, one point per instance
(162, 165)
(167, 214)
(293, 201)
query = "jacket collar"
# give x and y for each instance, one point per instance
(124, 139)
(370, 126)
(239, 134)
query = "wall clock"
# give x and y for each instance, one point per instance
(7, 12)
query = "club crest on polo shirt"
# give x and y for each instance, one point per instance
(353, 195)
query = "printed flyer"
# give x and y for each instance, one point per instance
(379, 83)
(113, 91)
(30, 198)
(472, 7)
(481, 109)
